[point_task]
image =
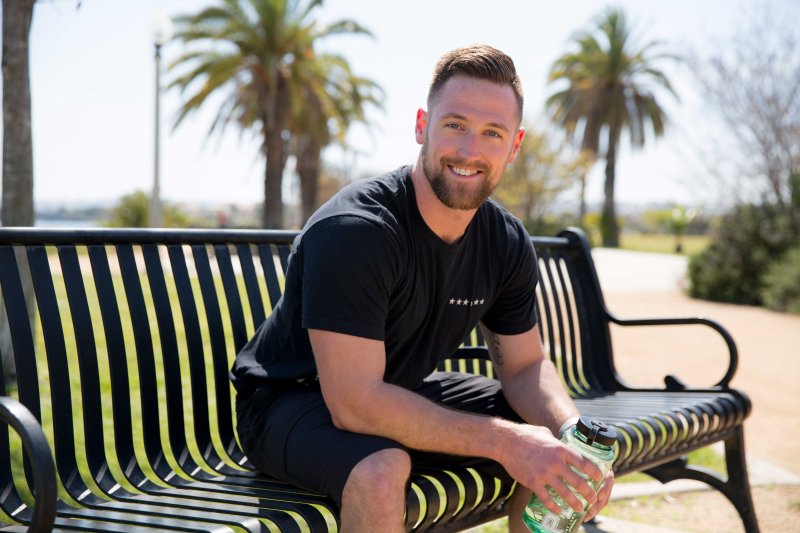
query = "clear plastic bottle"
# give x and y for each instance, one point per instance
(592, 439)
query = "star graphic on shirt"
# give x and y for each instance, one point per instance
(475, 302)
(459, 302)
(481, 301)
(452, 301)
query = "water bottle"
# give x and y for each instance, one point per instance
(592, 439)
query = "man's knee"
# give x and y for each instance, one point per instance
(383, 474)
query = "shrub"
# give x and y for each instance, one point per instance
(732, 268)
(133, 211)
(781, 290)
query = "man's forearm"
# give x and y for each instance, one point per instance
(416, 422)
(538, 396)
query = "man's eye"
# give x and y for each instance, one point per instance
(452, 125)
(492, 133)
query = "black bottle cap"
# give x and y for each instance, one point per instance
(596, 431)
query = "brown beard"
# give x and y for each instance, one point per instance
(456, 195)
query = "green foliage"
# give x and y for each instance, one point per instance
(733, 267)
(781, 290)
(541, 172)
(133, 211)
(676, 221)
(550, 225)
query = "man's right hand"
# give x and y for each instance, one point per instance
(536, 459)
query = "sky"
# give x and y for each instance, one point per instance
(93, 92)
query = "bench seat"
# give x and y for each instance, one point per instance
(119, 416)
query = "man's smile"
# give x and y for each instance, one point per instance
(462, 171)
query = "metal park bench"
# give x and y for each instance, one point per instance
(122, 413)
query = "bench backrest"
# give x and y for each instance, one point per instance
(135, 331)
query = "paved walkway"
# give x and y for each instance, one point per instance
(624, 271)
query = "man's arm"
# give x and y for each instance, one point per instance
(530, 381)
(351, 377)
(533, 388)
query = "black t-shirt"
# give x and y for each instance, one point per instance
(367, 265)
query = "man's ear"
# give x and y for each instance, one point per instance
(517, 145)
(421, 125)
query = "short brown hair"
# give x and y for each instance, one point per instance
(476, 61)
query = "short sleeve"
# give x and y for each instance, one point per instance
(350, 266)
(514, 310)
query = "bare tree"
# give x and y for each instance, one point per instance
(752, 83)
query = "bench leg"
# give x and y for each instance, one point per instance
(736, 487)
(739, 481)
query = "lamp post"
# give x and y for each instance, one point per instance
(162, 32)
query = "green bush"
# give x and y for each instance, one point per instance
(133, 211)
(749, 239)
(781, 290)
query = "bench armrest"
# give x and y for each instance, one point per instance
(37, 448)
(671, 381)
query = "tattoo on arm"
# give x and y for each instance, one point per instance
(493, 343)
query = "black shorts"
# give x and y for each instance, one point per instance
(287, 432)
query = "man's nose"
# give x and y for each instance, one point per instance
(469, 146)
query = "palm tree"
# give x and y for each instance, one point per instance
(332, 99)
(256, 53)
(608, 90)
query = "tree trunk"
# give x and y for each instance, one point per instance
(17, 137)
(17, 202)
(608, 221)
(275, 150)
(309, 164)
(582, 204)
(272, 215)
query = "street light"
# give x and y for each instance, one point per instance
(162, 32)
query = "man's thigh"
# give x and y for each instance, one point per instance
(468, 392)
(295, 440)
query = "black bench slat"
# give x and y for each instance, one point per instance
(173, 385)
(578, 378)
(145, 359)
(117, 363)
(20, 330)
(148, 516)
(219, 351)
(87, 365)
(270, 274)
(283, 253)
(557, 342)
(229, 285)
(195, 353)
(55, 351)
(251, 283)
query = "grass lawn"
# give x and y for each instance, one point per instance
(663, 244)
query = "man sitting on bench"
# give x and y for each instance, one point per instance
(337, 391)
